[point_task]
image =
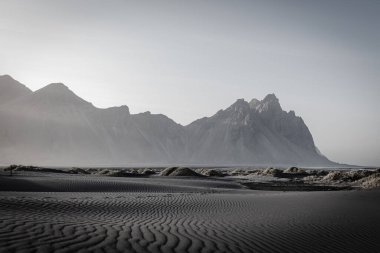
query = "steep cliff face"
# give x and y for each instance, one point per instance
(259, 132)
(53, 126)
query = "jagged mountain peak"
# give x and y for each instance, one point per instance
(240, 104)
(236, 112)
(270, 104)
(254, 102)
(270, 98)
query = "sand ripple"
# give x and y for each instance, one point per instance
(185, 216)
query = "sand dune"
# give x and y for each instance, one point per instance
(76, 183)
(68, 213)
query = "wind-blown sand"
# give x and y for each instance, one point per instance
(47, 212)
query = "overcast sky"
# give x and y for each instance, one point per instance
(188, 59)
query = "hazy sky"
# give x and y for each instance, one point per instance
(188, 59)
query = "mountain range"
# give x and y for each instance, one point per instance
(53, 126)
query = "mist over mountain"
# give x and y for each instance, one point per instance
(53, 126)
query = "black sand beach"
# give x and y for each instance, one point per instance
(42, 212)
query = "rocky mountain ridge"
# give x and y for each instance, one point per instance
(53, 126)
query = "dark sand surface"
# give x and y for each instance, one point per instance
(75, 213)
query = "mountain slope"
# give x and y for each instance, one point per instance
(11, 89)
(53, 126)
